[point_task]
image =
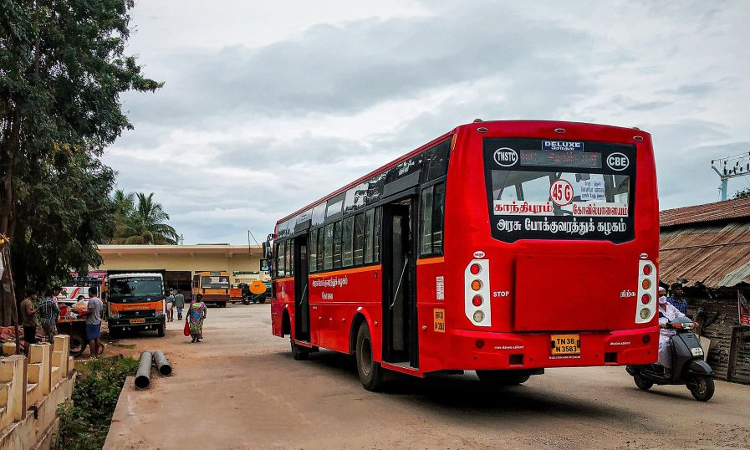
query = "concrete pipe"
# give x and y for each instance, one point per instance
(143, 376)
(162, 364)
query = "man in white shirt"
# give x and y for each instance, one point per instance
(667, 313)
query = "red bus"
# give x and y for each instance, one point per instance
(502, 247)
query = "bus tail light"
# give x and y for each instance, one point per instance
(646, 308)
(476, 289)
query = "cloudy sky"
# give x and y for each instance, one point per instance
(268, 106)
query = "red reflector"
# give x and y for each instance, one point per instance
(645, 299)
(480, 343)
(477, 300)
(647, 269)
(475, 269)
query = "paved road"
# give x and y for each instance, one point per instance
(240, 389)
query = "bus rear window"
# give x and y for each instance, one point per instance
(560, 189)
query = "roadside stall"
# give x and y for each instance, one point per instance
(72, 321)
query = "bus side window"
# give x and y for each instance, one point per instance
(438, 212)
(347, 241)
(337, 245)
(426, 219)
(290, 258)
(313, 250)
(431, 215)
(376, 234)
(369, 233)
(359, 239)
(319, 244)
(328, 247)
(282, 259)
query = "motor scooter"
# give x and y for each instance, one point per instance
(688, 366)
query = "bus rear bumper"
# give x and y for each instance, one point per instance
(480, 350)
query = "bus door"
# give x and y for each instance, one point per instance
(399, 275)
(301, 291)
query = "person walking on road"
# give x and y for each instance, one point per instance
(28, 320)
(195, 315)
(179, 303)
(49, 312)
(170, 306)
(94, 323)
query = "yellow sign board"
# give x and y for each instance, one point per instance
(439, 320)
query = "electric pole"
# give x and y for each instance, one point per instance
(731, 167)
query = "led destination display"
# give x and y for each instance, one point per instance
(586, 160)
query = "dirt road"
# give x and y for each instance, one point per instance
(241, 389)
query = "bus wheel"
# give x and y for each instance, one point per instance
(262, 301)
(494, 379)
(114, 333)
(370, 372)
(299, 353)
(160, 331)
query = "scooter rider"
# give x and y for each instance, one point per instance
(667, 313)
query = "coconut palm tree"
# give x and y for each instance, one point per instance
(124, 204)
(145, 224)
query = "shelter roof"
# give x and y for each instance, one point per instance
(224, 249)
(710, 212)
(715, 255)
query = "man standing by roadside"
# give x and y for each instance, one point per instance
(56, 290)
(179, 303)
(677, 300)
(49, 312)
(28, 320)
(94, 323)
(170, 306)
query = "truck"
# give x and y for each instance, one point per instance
(136, 301)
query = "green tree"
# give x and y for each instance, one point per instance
(124, 204)
(62, 69)
(742, 193)
(145, 225)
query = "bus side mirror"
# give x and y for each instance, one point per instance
(267, 252)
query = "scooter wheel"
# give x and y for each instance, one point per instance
(702, 387)
(643, 383)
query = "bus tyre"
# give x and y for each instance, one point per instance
(702, 387)
(114, 333)
(642, 383)
(370, 372)
(161, 330)
(262, 301)
(494, 379)
(299, 353)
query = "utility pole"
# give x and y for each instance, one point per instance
(731, 167)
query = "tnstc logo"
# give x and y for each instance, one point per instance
(505, 156)
(617, 161)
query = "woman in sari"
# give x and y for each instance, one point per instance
(195, 315)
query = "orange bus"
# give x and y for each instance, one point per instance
(213, 286)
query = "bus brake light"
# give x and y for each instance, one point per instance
(476, 289)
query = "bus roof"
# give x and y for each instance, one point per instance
(135, 274)
(491, 124)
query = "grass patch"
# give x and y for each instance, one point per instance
(85, 422)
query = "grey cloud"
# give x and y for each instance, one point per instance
(347, 68)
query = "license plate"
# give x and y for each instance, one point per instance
(565, 344)
(137, 320)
